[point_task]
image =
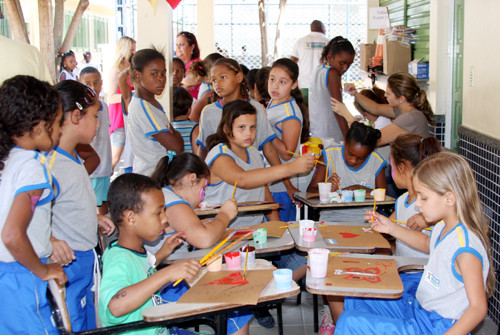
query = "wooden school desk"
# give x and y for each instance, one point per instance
(243, 207)
(269, 296)
(316, 206)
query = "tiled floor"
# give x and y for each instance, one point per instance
(298, 320)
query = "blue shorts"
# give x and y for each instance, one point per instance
(410, 282)
(290, 260)
(101, 187)
(79, 297)
(389, 316)
(117, 137)
(287, 209)
(24, 305)
(235, 320)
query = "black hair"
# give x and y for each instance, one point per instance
(292, 69)
(335, 46)
(181, 63)
(413, 148)
(261, 81)
(197, 69)
(88, 70)
(168, 172)
(210, 60)
(244, 69)
(251, 77)
(143, 57)
(64, 56)
(376, 94)
(87, 55)
(24, 102)
(183, 100)
(230, 112)
(75, 95)
(191, 40)
(232, 65)
(362, 134)
(125, 193)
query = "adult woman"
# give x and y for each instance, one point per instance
(125, 48)
(407, 105)
(186, 48)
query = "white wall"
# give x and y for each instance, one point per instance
(205, 27)
(481, 102)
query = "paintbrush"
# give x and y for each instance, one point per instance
(299, 155)
(394, 220)
(234, 189)
(211, 253)
(242, 237)
(245, 268)
(334, 171)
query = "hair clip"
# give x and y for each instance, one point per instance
(79, 106)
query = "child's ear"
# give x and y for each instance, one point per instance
(239, 77)
(75, 116)
(295, 85)
(129, 217)
(137, 75)
(451, 199)
(38, 129)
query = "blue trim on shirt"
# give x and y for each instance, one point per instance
(217, 156)
(461, 251)
(151, 133)
(218, 103)
(327, 73)
(281, 103)
(269, 139)
(146, 112)
(350, 168)
(382, 166)
(438, 240)
(116, 245)
(28, 188)
(201, 144)
(182, 201)
(67, 154)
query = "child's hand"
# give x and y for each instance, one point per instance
(186, 269)
(229, 208)
(339, 107)
(56, 272)
(304, 163)
(380, 223)
(417, 222)
(350, 88)
(173, 241)
(61, 252)
(335, 180)
(106, 225)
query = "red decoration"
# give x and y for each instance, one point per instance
(174, 3)
(234, 278)
(348, 235)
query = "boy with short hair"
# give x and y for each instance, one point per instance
(130, 281)
(100, 178)
(183, 100)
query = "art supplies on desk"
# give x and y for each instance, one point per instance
(274, 229)
(353, 236)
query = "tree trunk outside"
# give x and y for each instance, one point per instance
(75, 21)
(278, 29)
(16, 19)
(46, 36)
(58, 23)
(263, 32)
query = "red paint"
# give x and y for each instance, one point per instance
(370, 279)
(348, 235)
(234, 278)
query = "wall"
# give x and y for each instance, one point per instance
(481, 100)
(205, 27)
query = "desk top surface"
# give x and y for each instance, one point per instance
(315, 203)
(243, 207)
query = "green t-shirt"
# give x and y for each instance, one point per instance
(121, 268)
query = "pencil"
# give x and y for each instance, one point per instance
(211, 252)
(234, 189)
(299, 155)
(374, 206)
(242, 237)
(245, 268)
(394, 220)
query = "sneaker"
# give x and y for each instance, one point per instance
(264, 318)
(327, 326)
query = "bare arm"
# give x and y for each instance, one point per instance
(198, 107)
(90, 157)
(272, 157)
(125, 89)
(335, 88)
(171, 140)
(291, 134)
(113, 97)
(368, 104)
(389, 134)
(194, 136)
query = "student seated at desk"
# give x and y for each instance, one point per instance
(130, 281)
(354, 165)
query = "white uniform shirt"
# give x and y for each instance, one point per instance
(308, 50)
(102, 144)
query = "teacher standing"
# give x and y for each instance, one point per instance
(186, 48)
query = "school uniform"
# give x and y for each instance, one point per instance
(23, 293)
(100, 178)
(204, 87)
(146, 120)
(74, 220)
(69, 75)
(440, 300)
(322, 118)
(277, 114)
(217, 194)
(212, 114)
(364, 175)
(185, 128)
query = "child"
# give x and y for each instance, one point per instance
(100, 178)
(130, 280)
(288, 116)
(30, 117)
(336, 59)
(151, 135)
(452, 294)
(179, 70)
(377, 95)
(68, 64)
(233, 159)
(260, 91)
(354, 165)
(189, 130)
(74, 218)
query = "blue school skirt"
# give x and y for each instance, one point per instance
(389, 316)
(79, 294)
(235, 320)
(24, 305)
(287, 210)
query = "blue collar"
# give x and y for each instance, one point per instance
(67, 154)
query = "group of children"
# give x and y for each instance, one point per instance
(50, 226)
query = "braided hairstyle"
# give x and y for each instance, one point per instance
(363, 134)
(24, 102)
(335, 46)
(232, 65)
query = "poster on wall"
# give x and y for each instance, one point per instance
(378, 18)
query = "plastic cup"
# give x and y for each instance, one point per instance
(283, 279)
(233, 260)
(318, 262)
(260, 235)
(303, 224)
(309, 234)
(251, 255)
(215, 265)
(348, 195)
(333, 197)
(359, 195)
(324, 191)
(378, 194)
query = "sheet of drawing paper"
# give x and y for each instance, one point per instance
(273, 230)
(219, 287)
(354, 236)
(380, 273)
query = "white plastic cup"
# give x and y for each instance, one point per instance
(251, 255)
(283, 279)
(378, 194)
(324, 191)
(309, 234)
(303, 224)
(215, 265)
(318, 262)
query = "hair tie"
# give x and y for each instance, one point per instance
(422, 139)
(170, 154)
